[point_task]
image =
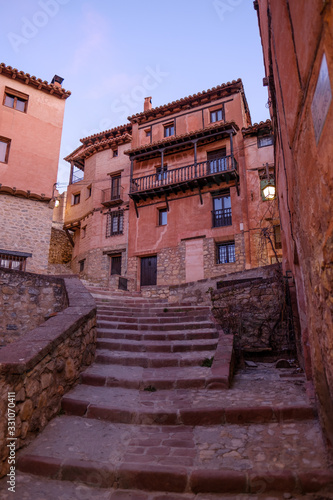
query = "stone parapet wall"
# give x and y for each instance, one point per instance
(44, 365)
(25, 226)
(26, 300)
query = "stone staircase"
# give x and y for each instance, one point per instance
(154, 418)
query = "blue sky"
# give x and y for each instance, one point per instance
(112, 54)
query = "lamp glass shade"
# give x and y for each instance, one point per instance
(269, 192)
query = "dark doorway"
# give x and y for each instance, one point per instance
(116, 264)
(148, 270)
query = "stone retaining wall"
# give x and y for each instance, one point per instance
(43, 365)
(26, 300)
(60, 248)
(256, 313)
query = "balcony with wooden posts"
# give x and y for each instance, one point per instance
(197, 175)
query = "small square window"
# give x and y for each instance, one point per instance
(4, 149)
(16, 100)
(162, 217)
(216, 116)
(169, 130)
(76, 199)
(148, 132)
(115, 153)
(265, 140)
(226, 253)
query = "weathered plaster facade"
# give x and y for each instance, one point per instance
(31, 116)
(299, 72)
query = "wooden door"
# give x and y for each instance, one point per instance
(149, 270)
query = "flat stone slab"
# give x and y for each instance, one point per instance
(29, 487)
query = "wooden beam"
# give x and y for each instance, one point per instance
(69, 236)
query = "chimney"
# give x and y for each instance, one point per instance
(147, 104)
(57, 80)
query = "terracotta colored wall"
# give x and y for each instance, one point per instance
(35, 139)
(304, 173)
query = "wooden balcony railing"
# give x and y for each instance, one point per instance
(111, 197)
(201, 172)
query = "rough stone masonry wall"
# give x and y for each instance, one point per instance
(44, 364)
(25, 226)
(60, 248)
(26, 300)
(256, 313)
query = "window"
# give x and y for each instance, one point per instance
(217, 161)
(277, 237)
(76, 199)
(222, 211)
(89, 189)
(84, 232)
(216, 116)
(265, 140)
(162, 217)
(115, 223)
(226, 253)
(81, 265)
(115, 187)
(169, 130)
(16, 100)
(116, 264)
(148, 132)
(14, 260)
(4, 149)
(115, 153)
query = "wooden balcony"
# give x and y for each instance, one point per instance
(163, 182)
(111, 197)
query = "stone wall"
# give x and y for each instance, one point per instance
(256, 311)
(25, 226)
(60, 247)
(44, 364)
(212, 269)
(26, 300)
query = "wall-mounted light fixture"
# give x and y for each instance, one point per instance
(267, 184)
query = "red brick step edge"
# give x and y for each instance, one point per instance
(172, 479)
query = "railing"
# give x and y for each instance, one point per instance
(222, 217)
(109, 195)
(184, 174)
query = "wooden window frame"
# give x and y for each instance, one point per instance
(161, 212)
(6, 141)
(16, 95)
(76, 196)
(12, 261)
(214, 114)
(168, 127)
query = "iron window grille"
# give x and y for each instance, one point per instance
(221, 214)
(114, 223)
(226, 253)
(13, 262)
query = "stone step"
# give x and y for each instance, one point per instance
(149, 406)
(156, 319)
(28, 488)
(120, 325)
(152, 359)
(205, 333)
(177, 459)
(136, 377)
(156, 346)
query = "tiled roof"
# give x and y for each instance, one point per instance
(37, 83)
(173, 140)
(256, 127)
(205, 95)
(85, 151)
(116, 131)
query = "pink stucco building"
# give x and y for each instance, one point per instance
(31, 118)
